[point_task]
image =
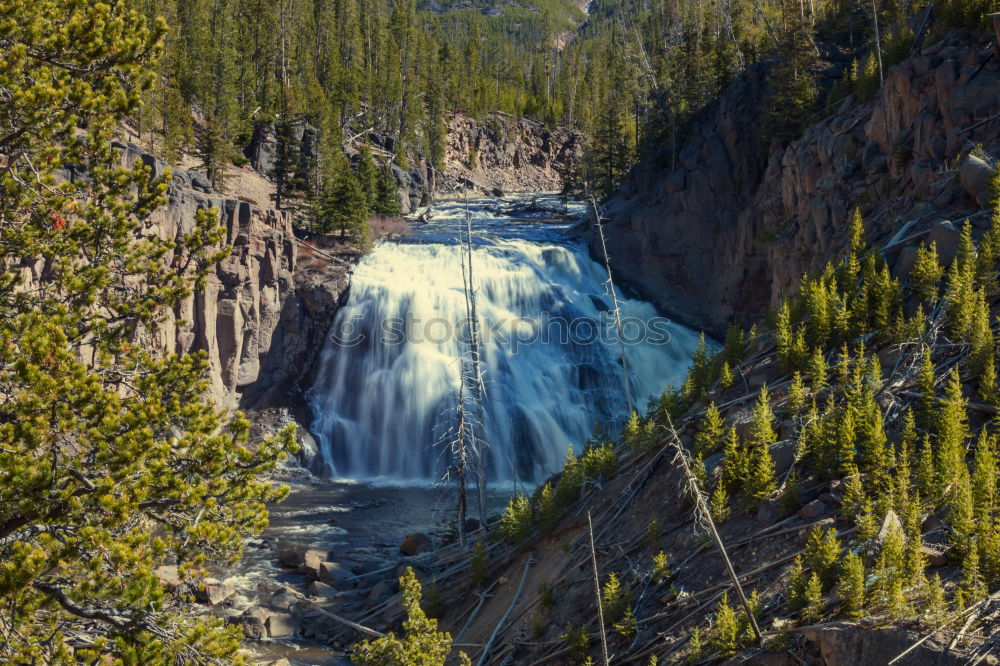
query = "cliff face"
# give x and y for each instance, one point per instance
(255, 321)
(510, 155)
(721, 231)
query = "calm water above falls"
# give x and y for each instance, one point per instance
(388, 379)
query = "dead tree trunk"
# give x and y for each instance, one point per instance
(614, 300)
(478, 439)
(704, 516)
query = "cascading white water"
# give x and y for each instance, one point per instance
(388, 378)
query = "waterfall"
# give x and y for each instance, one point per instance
(388, 376)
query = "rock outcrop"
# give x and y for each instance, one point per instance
(718, 230)
(261, 310)
(510, 156)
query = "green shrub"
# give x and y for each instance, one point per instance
(516, 522)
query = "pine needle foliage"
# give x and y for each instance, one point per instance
(113, 462)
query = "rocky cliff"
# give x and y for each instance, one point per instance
(263, 309)
(720, 229)
(508, 155)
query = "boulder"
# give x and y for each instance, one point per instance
(946, 237)
(813, 510)
(414, 544)
(291, 555)
(285, 601)
(333, 573)
(322, 591)
(904, 263)
(935, 555)
(213, 592)
(312, 559)
(379, 594)
(890, 523)
(975, 175)
(280, 625)
(769, 512)
(253, 622)
(168, 576)
(846, 644)
(783, 454)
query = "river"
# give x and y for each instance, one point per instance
(386, 385)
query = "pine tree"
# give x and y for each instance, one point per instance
(961, 515)
(710, 432)
(760, 478)
(796, 394)
(661, 572)
(813, 598)
(972, 580)
(926, 274)
(725, 631)
(817, 370)
(793, 89)
(986, 390)
(344, 207)
(695, 647)
(890, 568)
(287, 156)
(797, 585)
(925, 474)
(915, 563)
(952, 432)
(852, 586)
(421, 644)
(865, 521)
(515, 525)
(936, 605)
(632, 436)
(719, 504)
(479, 562)
(784, 336)
(855, 253)
(823, 552)
(736, 464)
(989, 246)
(927, 404)
(960, 290)
(113, 461)
(725, 376)
(368, 177)
(547, 508)
(387, 201)
(981, 343)
(984, 478)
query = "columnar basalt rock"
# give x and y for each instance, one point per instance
(251, 318)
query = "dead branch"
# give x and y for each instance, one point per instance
(517, 594)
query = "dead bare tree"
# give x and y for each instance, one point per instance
(475, 372)
(703, 520)
(597, 592)
(616, 311)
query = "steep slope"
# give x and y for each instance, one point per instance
(722, 228)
